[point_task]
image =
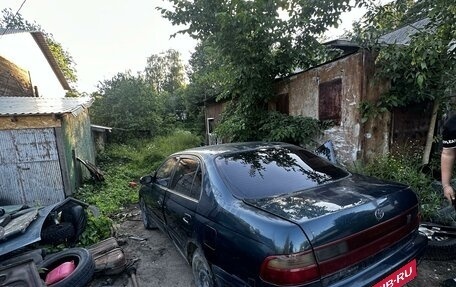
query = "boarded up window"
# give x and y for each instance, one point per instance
(329, 99)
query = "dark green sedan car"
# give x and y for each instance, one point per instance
(275, 214)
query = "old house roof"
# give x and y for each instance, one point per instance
(14, 106)
(40, 40)
(402, 36)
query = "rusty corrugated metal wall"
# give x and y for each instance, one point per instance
(29, 167)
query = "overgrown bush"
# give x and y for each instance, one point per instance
(291, 129)
(123, 165)
(405, 167)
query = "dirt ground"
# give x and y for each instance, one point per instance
(158, 263)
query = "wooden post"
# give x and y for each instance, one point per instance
(430, 134)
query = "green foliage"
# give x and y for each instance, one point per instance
(98, 228)
(165, 71)
(122, 164)
(382, 19)
(166, 145)
(151, 103)
(296, 130)
(404, 167)
(128, 104)
(245, 45)
(421, 71)
(64, 60)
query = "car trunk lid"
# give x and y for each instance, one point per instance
(348, 220)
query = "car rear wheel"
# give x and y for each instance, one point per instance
(201, 270)
(148, 223)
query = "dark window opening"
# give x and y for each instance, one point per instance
(280, 104)
(329, 101)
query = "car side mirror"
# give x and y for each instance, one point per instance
(146, 179)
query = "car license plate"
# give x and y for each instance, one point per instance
(400, 277)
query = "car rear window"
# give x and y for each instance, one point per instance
(275, 171)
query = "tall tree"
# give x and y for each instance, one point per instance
(248, 44)
(165, 71)
(127, 103)
(66, 63)
(165, 74)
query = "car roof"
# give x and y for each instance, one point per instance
(215, 150)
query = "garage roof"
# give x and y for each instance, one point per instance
(403, 35)
(16, 106)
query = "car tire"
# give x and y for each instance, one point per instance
(202, 273)
(75, 215)
(148, 223)
(441, 249)
(82, 274)
(57, 233)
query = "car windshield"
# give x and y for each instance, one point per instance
(275, 171)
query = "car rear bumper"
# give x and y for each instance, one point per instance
(385, 263)
(365, 274)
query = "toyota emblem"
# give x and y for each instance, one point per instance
(379, 213)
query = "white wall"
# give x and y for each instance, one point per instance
(22, 50)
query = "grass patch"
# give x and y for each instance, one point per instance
(405, 168)
(122, 164)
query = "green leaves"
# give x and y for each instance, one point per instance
(127, 103)
(147, 104)
(245, 45)
(424, 69)
(292, 129)
(121, 164)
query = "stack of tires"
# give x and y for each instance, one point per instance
(67, 229)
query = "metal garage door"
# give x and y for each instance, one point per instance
(29, 167)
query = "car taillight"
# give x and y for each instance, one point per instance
(293, 269)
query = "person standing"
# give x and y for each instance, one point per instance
(446, 165)
(448, 157)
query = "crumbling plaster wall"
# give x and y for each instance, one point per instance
(303, 92)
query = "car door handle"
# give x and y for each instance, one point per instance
(187, 217)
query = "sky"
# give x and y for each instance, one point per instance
(106, 37)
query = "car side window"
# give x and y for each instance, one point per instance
(187, 178)
(164, 173)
